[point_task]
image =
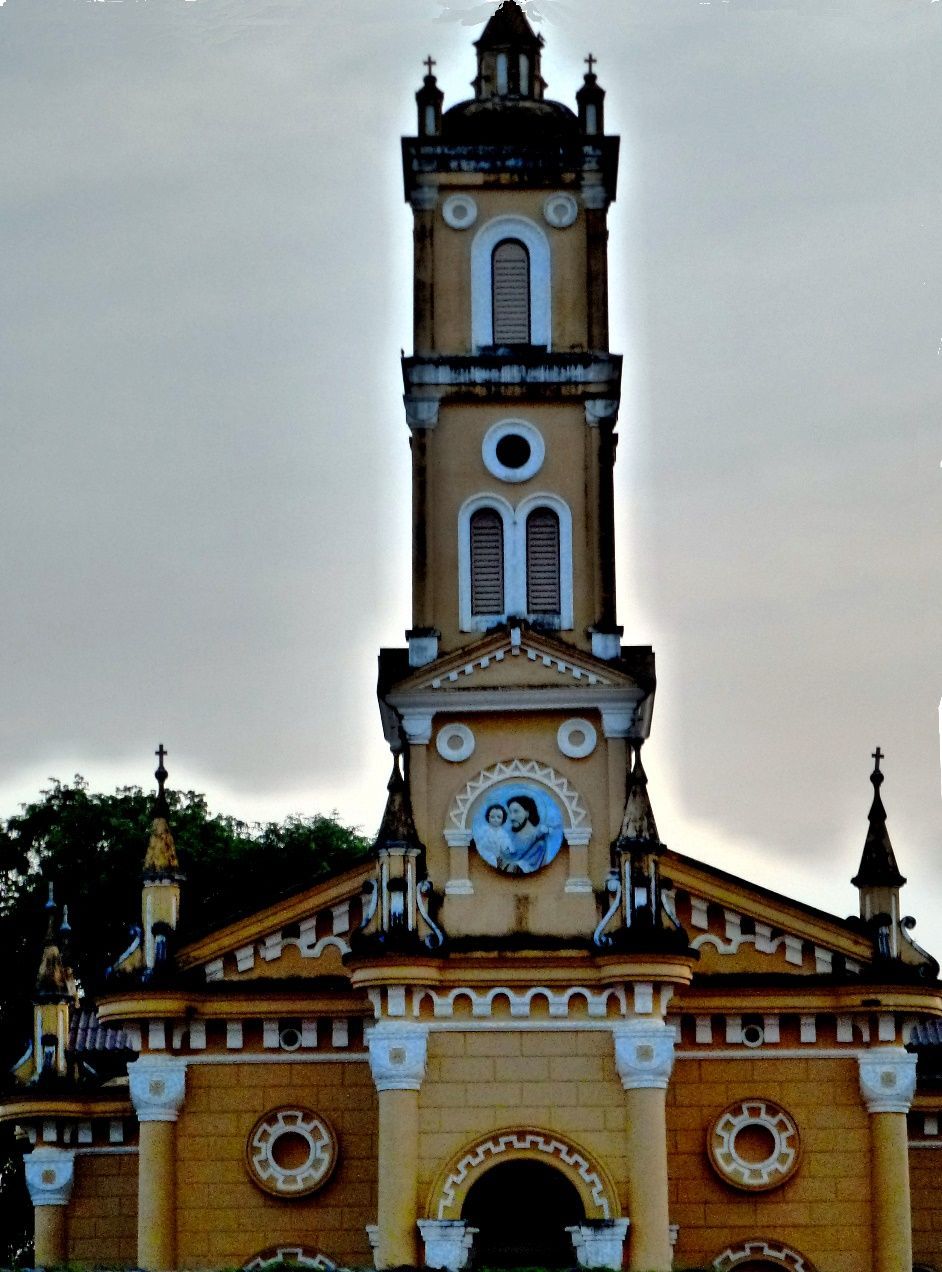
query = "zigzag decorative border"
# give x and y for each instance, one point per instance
(522, 1141)
(542, 773)
(758, 1248)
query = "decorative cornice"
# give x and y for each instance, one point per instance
(644, 1054)
(398, 1053)
(421, 412)
(50, 1173)
(158, 1087)
(887, 1079)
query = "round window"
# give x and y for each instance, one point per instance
(513, 450)
(754, 1145)
(291, 1152)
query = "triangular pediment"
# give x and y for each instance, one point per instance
(517, 658)
(306, 934)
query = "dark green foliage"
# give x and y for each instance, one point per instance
(91, 847)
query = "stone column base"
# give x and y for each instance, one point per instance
(600, 1244)
(448, 1243)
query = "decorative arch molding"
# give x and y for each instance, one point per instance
(597, 1191)
(535, 241)
(578, 827)
(294, 1256)
(758, 1250)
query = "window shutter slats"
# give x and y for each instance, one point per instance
(487, 562)
(543, 591)
(510, 274)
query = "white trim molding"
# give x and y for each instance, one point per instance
(158, 1087)
(535, 241)
(887, 1079)
(398, 1053)
(50, 1174)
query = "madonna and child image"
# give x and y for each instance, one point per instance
(517, 828)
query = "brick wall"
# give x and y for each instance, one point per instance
(925, 1172)
(103, 1210)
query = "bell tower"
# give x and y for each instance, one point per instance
(515, 704)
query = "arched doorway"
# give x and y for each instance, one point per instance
(521, 1210)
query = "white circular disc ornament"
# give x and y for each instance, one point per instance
(754, 1145)
(455, 742)
(560, 210)
(513, 450)
(576, 738)
(460, 211)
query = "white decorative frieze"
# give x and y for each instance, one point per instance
(561, 1004)
(887, 1079)
(158, 1087)
(50, 1174)
(448, 1243)
(600, 1244)
(398, 1052)
(644, 1053)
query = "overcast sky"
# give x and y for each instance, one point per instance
(205, 491)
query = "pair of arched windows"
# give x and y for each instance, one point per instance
(517, 563)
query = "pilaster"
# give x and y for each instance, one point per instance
(887, 1086)
(50, 1174)
(398, 1052)
(158, 1088)
(644, 1059)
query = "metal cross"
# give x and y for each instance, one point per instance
(161, 774)
(590, 62)
(430, 62)
(877, 756)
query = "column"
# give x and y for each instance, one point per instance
(397, 1061)
(158, 1085)
(50, 1173)
(644, 1058)
(887, 1085)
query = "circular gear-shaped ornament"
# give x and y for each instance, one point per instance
(291, 1152)
(754, 1145)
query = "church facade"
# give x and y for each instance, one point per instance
(524, 1032)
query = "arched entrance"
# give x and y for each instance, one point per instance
(521, 1210)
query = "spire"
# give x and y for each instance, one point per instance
(638, 827)
(878, 868)
(160, 860)
(398, 827)
(591, 102)
(429, 100)
(509, 56)
(51, 979)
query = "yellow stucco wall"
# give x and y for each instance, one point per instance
(482, 1082)
(925, 1172)
(223, 1218)
(823, 1211)
(102, 1222)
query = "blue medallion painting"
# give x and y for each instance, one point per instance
(517, 827)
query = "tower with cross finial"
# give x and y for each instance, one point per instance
(161, 878)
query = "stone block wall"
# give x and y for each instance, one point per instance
(102, 1220)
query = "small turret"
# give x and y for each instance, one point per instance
(161, 876)
(509, 57)
(428, 101)
(635, 886)
(878, 880)
(395, 912)
(51, 1004)
(591, 101)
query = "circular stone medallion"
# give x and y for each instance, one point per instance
(460, 211)
(560, 210)
(576, 738)
(754, 1145)
(291, 1152)
(455, 742)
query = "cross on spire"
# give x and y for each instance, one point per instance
(877, 756)
(430, 62)
(591, 61)
(161, 773)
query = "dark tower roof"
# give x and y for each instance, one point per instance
(878, 868)
(508, 28)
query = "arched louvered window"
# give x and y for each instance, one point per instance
(487, 562)
(543, 590)
(510, 287)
